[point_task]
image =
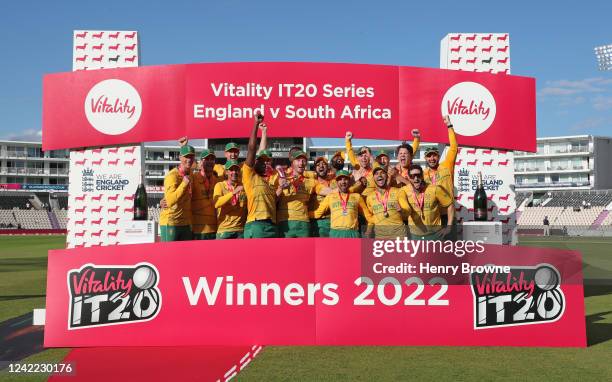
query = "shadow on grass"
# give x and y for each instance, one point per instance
(597, 287)
(598, 332)
(19, 338)
(21, 297)
(29, 264)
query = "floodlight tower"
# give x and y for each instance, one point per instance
(604, 57)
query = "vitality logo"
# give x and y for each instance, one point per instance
(113, 106)
(109, 294)
(525, 295)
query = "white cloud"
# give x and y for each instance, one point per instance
(602, 103)
(29, 135)
(570, 87)
(589, 124)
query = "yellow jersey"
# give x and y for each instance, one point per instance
(343, 217)
(261, 196)
(424, 212)
(390, 224)
(178, 198)
(293, 202)
(316, 199)
(203, 214)
(443, 175)
(231, 209)
(219, 169)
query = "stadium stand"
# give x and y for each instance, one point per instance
(520, 198)
(570, 212)
(62, 218)
(153, 200)
(580, 198)
(33, 219)
(10, 201)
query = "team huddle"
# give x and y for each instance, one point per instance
(253, 199)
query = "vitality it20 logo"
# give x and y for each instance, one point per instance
(525, 295)
(109, 295)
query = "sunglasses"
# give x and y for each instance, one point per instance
(412, 176)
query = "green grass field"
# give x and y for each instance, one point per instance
(23, 262)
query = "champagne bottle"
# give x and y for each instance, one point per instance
(141, 209)
(480, 201)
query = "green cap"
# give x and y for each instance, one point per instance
(381, 153)
(342, 173)
(364, 148)
(264, 153)
(231, 146)
(298, 153)
(187, 150)
(206, 153)
(432, 149)
(377, 167)
(231, 163)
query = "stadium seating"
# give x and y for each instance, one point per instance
(153, 200)
(33, 219)
(579, 198)
(9, 201)
(62, 218)
(579, 211)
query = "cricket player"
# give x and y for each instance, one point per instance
(344, 207)
(175, 218)
(388, 206)
(261, 196)
(203, 213)
(292, 209)
(320, 227)
(382, 159)
(425, 201)
(231, 203)
(441, 173)
(232, 152)
(362, 165)
(404, 154)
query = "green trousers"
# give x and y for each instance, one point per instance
(204, 236)
(320, 227)
(175, 233)
(260, 229)
(230, 235)
(344, 233)
(293, 228)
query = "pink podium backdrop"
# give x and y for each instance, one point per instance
(121, 106)
(102, 181)
(488, 53)
(94, 49)
(216, 293)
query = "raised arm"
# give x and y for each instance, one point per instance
(252, 147)
(349, 150)
(451, 155)
(263, 143)
(416, 141)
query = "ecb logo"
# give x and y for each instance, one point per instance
(471, 108)
(113, 107)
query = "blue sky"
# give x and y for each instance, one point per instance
(550, 41)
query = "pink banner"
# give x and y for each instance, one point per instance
(312, 292)
(119, 106)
